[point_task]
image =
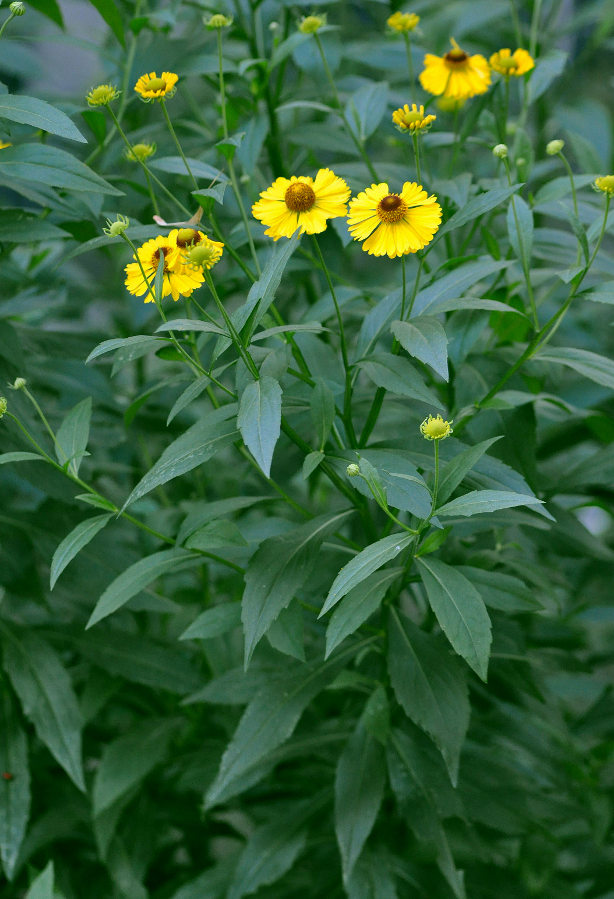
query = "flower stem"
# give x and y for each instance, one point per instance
(523, 257)
(8, 19)
(436, 481)
(414, 138)
(234, 335)
(410, 61)
(177, 144)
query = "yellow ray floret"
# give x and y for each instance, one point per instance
(435, 428)
(178, 279)
(605, 183)
(394, 224)
(150, 87)
(412, 119)
(301, 202)
(403, 21)
(456, 74)
(507, 63)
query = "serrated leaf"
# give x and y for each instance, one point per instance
(214, 535)
(287, 633)
(73, 434)
(43, 164)
(359, 789)
(396, 374)
(460, 611)
(259, 419)
(365, 563)
(456, 283)
(453, 472)
(214, 622)
(430, 686)
(593, 366)
(15, 791)
(40, 115)
(79, 537)
(47, 698)
(478, 501)
(424, 337)
(358, 605)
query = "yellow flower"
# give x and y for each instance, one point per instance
(302, 202)
(150, 87)
(435, 428)
(140, 152)
(456, 74)
(204, 254)
(102, 95)
(4, 144)
(311, 24)
(178, 279)
(413, 119)
(394, 224)
(402, 21)
(507, 63)
(605, 183)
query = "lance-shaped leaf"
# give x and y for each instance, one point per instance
(259, 420)
(40, 115)
(43, 164)
(43, 886)
(425, 339)
(591, 365)
(357, 605)
(479, 501)
(453, 472)
(15, 791)
(72, 436)
(79, 537)
(398, 375)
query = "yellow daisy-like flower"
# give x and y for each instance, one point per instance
(413, 119)
(4, 144)
(435, 428)
(402, 21)
(605, 183)
(507, 63)
(303, 202)
(140, 152)
(456, 74)
(394, 224)
(102, 95)
(178, 279)
(150, 87)
(204, 254)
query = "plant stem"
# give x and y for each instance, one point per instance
(410, 61)
(523, 258)
(177, 144)
(235, 337)
(436, 481)
(414, 138)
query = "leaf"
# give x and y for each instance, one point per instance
(214, 622)
(116, 343)
(358, 605)
(212, 433)
(259, 419)
(111, 14)
(192, 392)
(206, 512)
(456, 283)
(594, 367)
(547, 68)
(18, 456)
(277, 570)
(366, 107)
(453, 472)
(460, 611)
(175, 165)
(43, 886)
(359, 788)
(40, 115)
(15, 790)
(365, 563)
(398, 375)
(501, 591)
(430, 686)
(287, 633)
(310, 463)
(191, 324)
(371, 878)
(520, 229)
(424, 337)
(73, 434)
(47, 698)
(262, 292)
(214, 535)
(478, 206)
(322, 408)
(79, 537)
(478, 501)
(43, 164)
(136, 578)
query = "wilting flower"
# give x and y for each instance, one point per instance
(150, 87)
(605, 183)
(311, 24)
(303, 202)
(394, 224)
(413, 119)
(140, 152)
(102, 95)
(435, 428)
(403, 21)
(178, 279)
(456, 74)
(507, 63)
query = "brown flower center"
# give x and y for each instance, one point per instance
(299, 197)
(456, 56)
(391, 209)
(187, 236)
(155, 84)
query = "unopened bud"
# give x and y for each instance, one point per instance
(3, 405)
(18, 9)
(218, 20)
(353, 470)
(116, 228)
(19, 383)
(500, 151)
(311, 24)
(554, 146)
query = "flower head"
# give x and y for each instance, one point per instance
(500, 151)
(413, 119)
(102, 95)
(3, 406)
(435, 428)
(605, 183)
(116, 228)
(554, 146)
(19, 384)
(150, 87)
(217, 20)
(402, 21)
(178, 279)
(311, 24)
(204, 254)
(301, 202)
(394, 224)
(140, 152)
(17, 8)
(4, 144)
(353, 470)
(507, 63)
(456, 74)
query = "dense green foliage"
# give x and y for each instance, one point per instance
(229, 666)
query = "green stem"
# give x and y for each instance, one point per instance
(574, 197)
(177, 144)
(410, 61)
(523, 258)
(152, 195)
(537, 7)
(8, 19)
(436, 481)
(41, 415)
(234, 335)
(414, 138)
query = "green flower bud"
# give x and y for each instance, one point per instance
(554, 147)
(3, 406)
(500, 151)
(116, 228)
(311, 24)
(353, 470)
(217, 21)
(19, 383)
(18, 9)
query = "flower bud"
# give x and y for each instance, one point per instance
(311, 24)
(140, 152)
(605, 183)
(116, 228)
(218, 20)
(353, 470)
(18, 9)
(3, 405)
(19, 383)
(554, 147)
(102, 95)
(500, 151)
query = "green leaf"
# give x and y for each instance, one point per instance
(424, 337)
(371, 878)
(322, 408)
(478, 501)
(366, 107)
(15, 789)
(594, 367)
(212, 433)
(15, 227)
(259, 419)
(359, 788)
(111, 14)
(277, 570)
(453, 472)
(72, 436)
(376, 715)
(214, 622)
(43, 886)
(460, 611)
(47, 698)
(192, 392)
(79, 537)
(310, 463)
(136, 578)
(430, 686)
(7, 458)
(262, 292)
(547, 68)
(116, 343)
(398, 375)
(214, 535)
(191, 324)
(456, 283)
(40, 115)
(365, 563)
(175, 165)
(520, 229)
(206, 512)
(287, 633)
(42, 164)
(478, 206)
(501, 591)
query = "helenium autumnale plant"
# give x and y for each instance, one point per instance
(307, 453)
